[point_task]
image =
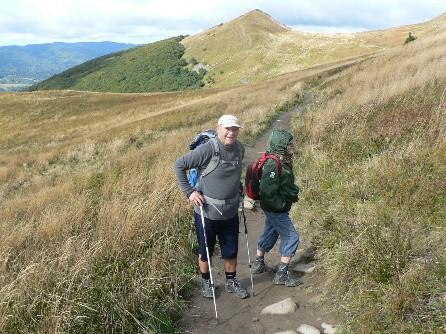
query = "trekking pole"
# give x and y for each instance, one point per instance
(209, 260)
(247, 247)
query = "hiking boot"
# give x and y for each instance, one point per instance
(285, 277)
(259, 267)
(233, 286)
(206, 288)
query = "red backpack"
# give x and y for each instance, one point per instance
(254, 174)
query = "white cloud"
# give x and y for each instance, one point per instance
(142, 21)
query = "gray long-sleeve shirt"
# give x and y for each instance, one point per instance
(223, 183)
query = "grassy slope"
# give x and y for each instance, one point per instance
(254, 47)
(95, 234)
(395, 36)
(153, 67)
(372, 168)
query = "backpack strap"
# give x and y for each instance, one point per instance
(215, 160)
(277, 160)
(216, 157)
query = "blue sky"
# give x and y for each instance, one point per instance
(142, 21)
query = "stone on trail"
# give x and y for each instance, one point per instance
(303, 255)
(286, 306)
(328, 329)
(306, 268)
(307, 329)
(286, 332)
(299, 256)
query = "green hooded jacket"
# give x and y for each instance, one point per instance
(278, 193)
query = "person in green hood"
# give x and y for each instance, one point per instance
(277, 194)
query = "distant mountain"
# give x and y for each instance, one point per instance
(32, 63)
(152, 67)
(251, 48)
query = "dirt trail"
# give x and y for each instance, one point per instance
(243, 316)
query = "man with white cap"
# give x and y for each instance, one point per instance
(218, 195)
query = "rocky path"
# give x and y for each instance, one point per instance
(305, 312)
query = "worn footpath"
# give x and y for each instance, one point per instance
(306, 313)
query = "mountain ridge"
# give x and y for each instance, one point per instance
(35, 62)
(241, 50)
(255, 47)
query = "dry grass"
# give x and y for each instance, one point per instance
(97, 237)
(95, 233)
(254, 47)
(372, 170)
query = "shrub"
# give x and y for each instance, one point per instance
(202, 72)
(410, 38)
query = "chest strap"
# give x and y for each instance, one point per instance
(221, 201)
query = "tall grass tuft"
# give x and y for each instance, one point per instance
(372, 167)
(96, 236)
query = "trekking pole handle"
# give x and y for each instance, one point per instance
(197, 198)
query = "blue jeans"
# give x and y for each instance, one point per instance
(279, 224)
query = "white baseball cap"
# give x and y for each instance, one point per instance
(228, 121)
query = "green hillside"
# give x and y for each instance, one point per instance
(154, 67)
